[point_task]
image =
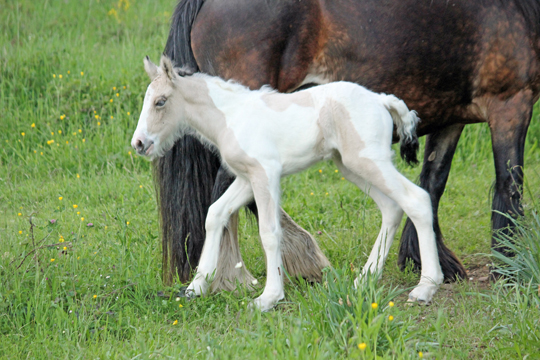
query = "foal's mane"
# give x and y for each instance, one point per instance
(231, 85)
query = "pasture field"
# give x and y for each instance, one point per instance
(80, 257)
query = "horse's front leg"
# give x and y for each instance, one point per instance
(266, 189)
(508, 121)
(236, 196)
(438, 154)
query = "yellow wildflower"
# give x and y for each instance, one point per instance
(95, 296)
(390, 318)
(82, 219)
(41, 153)
(33, 125)
(65, 247)
(175, 322)
(117, 94)
(98, 123)
(180, 305)
(69, 72)
(97, 117)
(23, 134)
(374, 306)
(67, 142)
(19, 214)
(60, 76)
(82, 73)
(420, 355)
(114, 88)
(83, 140)
(127, 223)
(78, 176)
(80, 131)
(54, 75)
(362, 346)
(112, 117)
(320, 170)
(140, 186)
(391, 304)
(60, 131)
(20, 232)
(124, 87)
(128, 113)
(311, 193)
(111, 100)
(60, 198)
(52, 260)
(75, 206)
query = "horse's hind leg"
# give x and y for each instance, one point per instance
(508, 121)
(236, 196)
(391, 218)
(417, 205)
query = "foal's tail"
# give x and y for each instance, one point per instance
(405, 122)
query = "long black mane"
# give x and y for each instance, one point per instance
(530, 10)
(178, 47)
(185, 175)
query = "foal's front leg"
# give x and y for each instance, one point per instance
(236, 196)
(265, 184)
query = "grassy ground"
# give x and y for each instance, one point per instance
(71, 87)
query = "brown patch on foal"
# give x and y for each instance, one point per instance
(350, 144)
(281, 102)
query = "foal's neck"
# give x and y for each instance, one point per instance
(202, 112)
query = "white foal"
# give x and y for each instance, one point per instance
(263, 135)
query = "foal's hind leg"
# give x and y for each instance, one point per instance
(417, 205)
(391, 218)
(266, 190)
(236, 196)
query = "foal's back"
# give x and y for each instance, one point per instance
(302, 128)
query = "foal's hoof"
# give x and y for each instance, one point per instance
(182, 292)
(412, 300)
(422, 294)
(186, 293)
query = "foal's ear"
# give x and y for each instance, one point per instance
(167, 67)
(151, 68)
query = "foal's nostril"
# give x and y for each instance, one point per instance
(139, 146)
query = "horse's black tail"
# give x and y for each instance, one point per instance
(184, 177)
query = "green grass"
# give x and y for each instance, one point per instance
(98, 298)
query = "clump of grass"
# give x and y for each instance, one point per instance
(524, 243)
(363, 321)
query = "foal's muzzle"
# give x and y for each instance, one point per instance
(142, 146)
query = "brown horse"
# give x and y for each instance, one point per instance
(456, 62)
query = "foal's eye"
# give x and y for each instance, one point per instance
(160, 102)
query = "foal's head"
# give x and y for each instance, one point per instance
(162, 117)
